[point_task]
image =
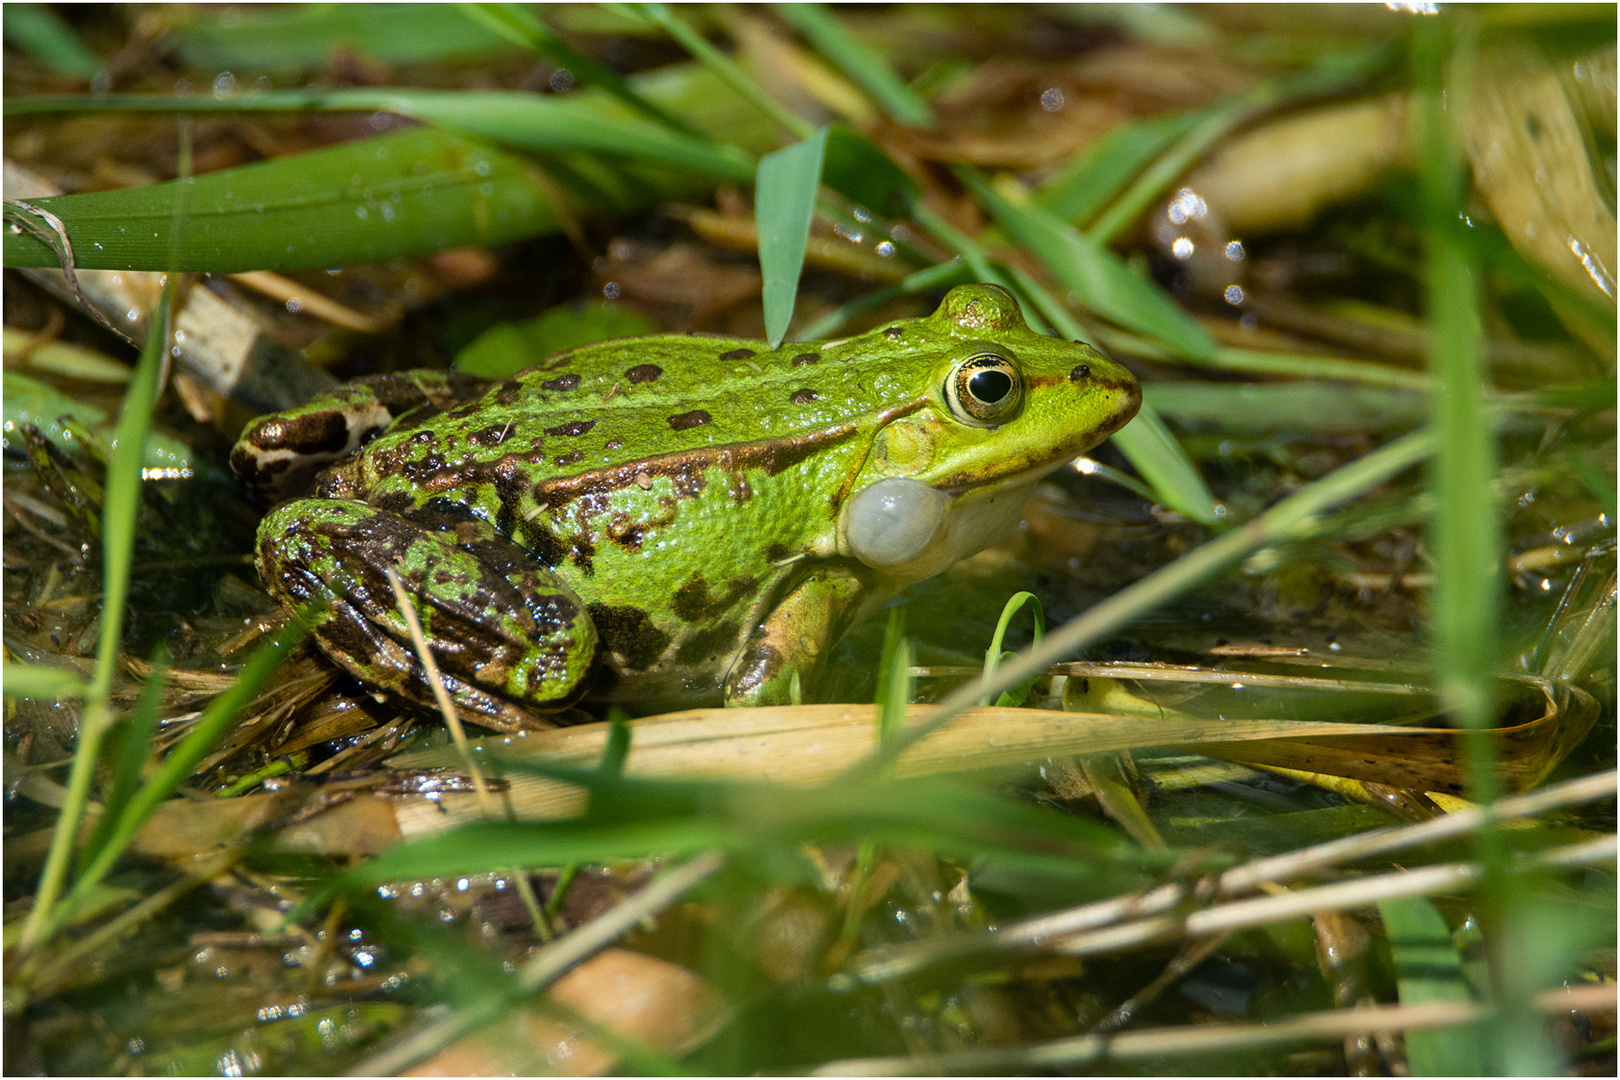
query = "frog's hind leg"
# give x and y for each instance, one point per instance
(511, 641)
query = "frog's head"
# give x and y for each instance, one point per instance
(1005, 406)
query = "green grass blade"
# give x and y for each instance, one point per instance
(894, 631)
(121, 501)
(1465, 541)
(519, 24)
(300, 37)
(40, 681)
(1315, 407)
(1161, 461)
(389, 197)
(1082, 187)
(858, 169)
(1096, 276)
(128, 746)
(214, 724)
(1427, 968)
(894, 680)
(868, 70)
(784, 203)
(512, 117)
(121, 504)
(993, 655)
(618, 744)
(661, 16)
(634, 818)
(43, 34)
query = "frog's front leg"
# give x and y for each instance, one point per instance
(511, 641)
(795, 637)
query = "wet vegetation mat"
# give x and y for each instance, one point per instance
(1277, 736)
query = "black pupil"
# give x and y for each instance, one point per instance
(990, 386)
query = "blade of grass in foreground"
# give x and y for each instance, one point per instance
(121, 504)
(784, 203)
(635, 818)
(127, 750)
(1428, 969)
(1290, 519)
(215, 722)
(1465, 543)
(1464, 539)
(41, 681)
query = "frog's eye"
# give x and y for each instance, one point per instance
(984, 390)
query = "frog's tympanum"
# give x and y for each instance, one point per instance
(663, 522)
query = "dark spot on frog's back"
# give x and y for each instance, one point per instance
(738, 354)
(695, 418)
(1080, 371)
(629, 632)
(693, 601)
(643, 373)
(509, 393)
(803, 397)
(573, 427)
(493, 435)
(570, 459)
(805, 359)
(894, 332)
(543, 544)
(560, 383)
(423, 468)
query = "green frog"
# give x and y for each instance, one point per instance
(663, 522)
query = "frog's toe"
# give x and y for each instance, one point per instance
(510, 641)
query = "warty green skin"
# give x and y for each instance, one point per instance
(661, 522)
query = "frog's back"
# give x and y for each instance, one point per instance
(622, 402)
